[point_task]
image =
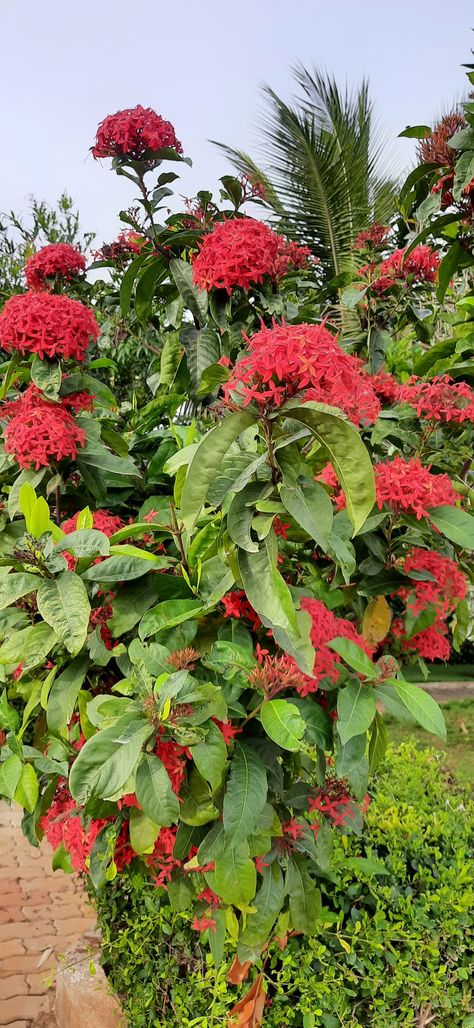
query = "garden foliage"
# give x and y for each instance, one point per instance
(207, 599)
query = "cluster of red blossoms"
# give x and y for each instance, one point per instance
(374, 236)
(57, 260)
(62, 825)
(421, 264)
(48, 326)
(133, 133)
(324, 627)
(240, 252)
(236, 605)
(436, 149)
(443, 590)
(103, 521)
(440, 399)
(406, 485)
(124, 246)
(40, 430)
(289, 359)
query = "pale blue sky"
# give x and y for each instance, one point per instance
(200, 64)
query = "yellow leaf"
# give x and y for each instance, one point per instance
(344, 944)
(376, 621)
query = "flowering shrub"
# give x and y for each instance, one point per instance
(206, 599)
(57, 261)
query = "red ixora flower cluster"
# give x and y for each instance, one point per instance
(103, 521)
(334, 802)
(174, 758)
(385, 386)
(375, 235)
(124, 246)
(62, 825)
(241, 252)
(324, 627)
(40, 430)
(47, 325)
(435, 149)
(236, 605)
(57, 260)
(287, 359)
(406, 485)
(421, 264)
(132, 133)
(443, 591)
(440, 399)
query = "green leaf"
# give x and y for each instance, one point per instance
(9, 716)
(305, 900)
(14, 586)
(246, 795)
(39, 520)
(143, 831)
(318, 724)
(85, 542)
(356, 710)
(352, 296)
(236, 877)
(354, 656)
(210, 756)
(464, 173)
(421, 705)
(154, 792)
(102, 864)
(121, 569)
(266, 907)
(64, 692)
(378, 742)
(33, 478)
(347, 453)
(202, 351)
(415, 132)
(29, 646)
(365, 865)
(64, 604)
(212, 377)
(10, 774)
(27, 790)
(449, 264)
(145, 291)
(62, 860)
(283, 723)
(379, 340)
(197, 807)
(46, 375)
(310, 506)
(167, 615)
(194, 298)
(207, 462)
(128, 281)
(455, 524)
(266, 590)
(107, 760)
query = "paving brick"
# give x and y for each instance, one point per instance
(19, 1024)
(24, 1006)
(11, 914)
(14, 985)
(11, 948)
(40, 983)
(41, 943)
(18, 929)
(38, 897)
(27, 963)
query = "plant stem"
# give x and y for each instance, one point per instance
(178, 535)
(271, 452)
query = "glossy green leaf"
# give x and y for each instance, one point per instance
(121, 569)
(143, 831)
(154, 792)
(420, 705)
(309, 504)
(30, 646)
(207, 461)
(64, 692)
(246, 794)
(10, 774)
(356, 710)
(347, 453)
(14, 586)
(283, 723)
(107, 760)
(456, 524)
(267, 905)
(194, 298)
(64, 604)
(210, 756)
(46, 375)
(354, 656)
(236, 877)
(167, 615)
(85, 542)
(27, 790)
(305, 899)
(266, 590)
(378, 742)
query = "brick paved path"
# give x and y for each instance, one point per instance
(41, 913)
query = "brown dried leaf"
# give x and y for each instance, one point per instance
(248, 1012)
(238, 972)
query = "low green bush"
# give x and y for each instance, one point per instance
(396, 945)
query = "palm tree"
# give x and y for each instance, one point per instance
(323, 172)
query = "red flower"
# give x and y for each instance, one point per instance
(333, 801)
(440, 399)
(373, 236)
(103, 521)
(328, 477)
(61, 825)
(39, 430)
(237, 605)
(290, 255)
(78, 401)
(280, 528)
(209, 897)
(405, 485)
(287, 359)
(326, 626)
(133, 133)
(174, 758)
(294, 829)
(17, 672)
(431, 643)
(201, 924)
(422, 264)
(385, 386)
(277, 674)
(47, 325)
(57, 260)
(238, 252)
(443, 591)
(227, 730)
(126, 244)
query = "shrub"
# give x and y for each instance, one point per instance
(396, 936)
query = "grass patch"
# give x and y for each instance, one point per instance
(459, 748)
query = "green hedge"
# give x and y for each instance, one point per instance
(397, 939)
